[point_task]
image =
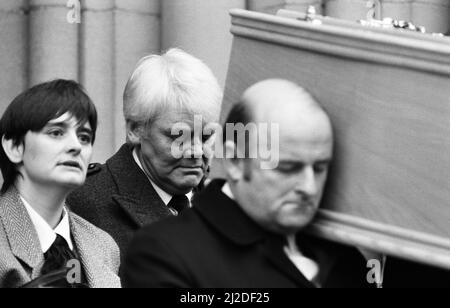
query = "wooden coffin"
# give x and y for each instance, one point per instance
(388, 95)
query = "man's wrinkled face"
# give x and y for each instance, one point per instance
(174, 174)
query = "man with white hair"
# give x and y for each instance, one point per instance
(144, 182)
(248, 231)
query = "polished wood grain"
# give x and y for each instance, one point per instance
(388, 95)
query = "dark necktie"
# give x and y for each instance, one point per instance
(57, 256)
(179, 203)
(54, 273)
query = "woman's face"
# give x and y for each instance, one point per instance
(59, 154)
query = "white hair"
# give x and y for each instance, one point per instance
(171, 81)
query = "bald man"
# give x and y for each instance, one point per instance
(246, 231)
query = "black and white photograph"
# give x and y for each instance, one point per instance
(223, 150)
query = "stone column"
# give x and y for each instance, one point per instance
(13, 50)
(202, 28)
(265, 6)
(53, 41)
(347, 9)
(137, 34)
(397, 9)
(272, 6)
(97, 70)
(302, 5)
(434, 15)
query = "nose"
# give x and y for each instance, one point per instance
(307, 184)
(195, 150)
(73, 144)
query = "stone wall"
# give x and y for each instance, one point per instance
(42, 40)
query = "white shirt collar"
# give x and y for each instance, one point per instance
(165, 197)
(227, 191)
(45, 233)
(308, 267)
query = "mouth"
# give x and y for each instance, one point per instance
(71, 164)
(301, 205)
(192, 169)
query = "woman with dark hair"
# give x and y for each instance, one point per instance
(47, 134)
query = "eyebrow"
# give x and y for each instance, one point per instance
(85, 130)
(52, 123)
(295, 162)
(324, 161)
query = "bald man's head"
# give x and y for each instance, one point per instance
(286, 197)
(284, 103)
(277, 99)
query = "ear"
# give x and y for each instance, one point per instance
(14, 152)
(234, 166)
(133, 133)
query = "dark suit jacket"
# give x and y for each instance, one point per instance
(21, 257)
(118, 198)
(217, 245)
(400, 273)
